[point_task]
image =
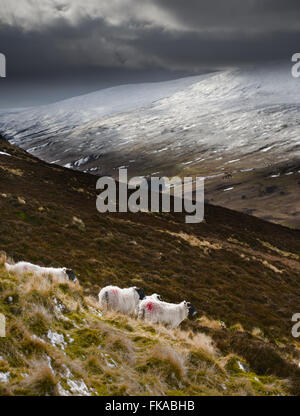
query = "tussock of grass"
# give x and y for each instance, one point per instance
(41, 382)
(211, 323)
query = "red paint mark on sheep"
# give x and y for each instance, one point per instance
(150, 306)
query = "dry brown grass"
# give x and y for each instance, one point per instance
(40, 313)
(196, 242)
(210, 323)
(257, 332)
(237, 328)
(277, 250)
(44, 283)
(41, 381)
(41, 284)
(3, 258)
(77, 222)
(21, 200)
(175, 356)
(92, 302)
(17, 172)
(271, 267)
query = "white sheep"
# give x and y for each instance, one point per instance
(154, 296)
(169, 314)
(61, 274)
(120, 300)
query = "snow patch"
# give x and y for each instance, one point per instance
(266, 149)
(232, 161)
(246, 170)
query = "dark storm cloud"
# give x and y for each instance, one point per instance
(193, 51)
(175, 34)
(231, 31)
(250, 15)
(61, 47)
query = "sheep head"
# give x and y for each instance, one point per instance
(157, 296)
(191, 309)
(140, 292)
(70, 274)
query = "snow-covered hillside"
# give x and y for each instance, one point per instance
(67, 114)
(176, 125)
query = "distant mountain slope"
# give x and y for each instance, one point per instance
(233, 267)
(239, 128)
(39, 122)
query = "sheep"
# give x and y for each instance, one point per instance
(62, 274)
(154, 296)
(120, 300)
(169, 314)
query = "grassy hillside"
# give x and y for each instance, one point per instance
(59, 344)
(233, 267)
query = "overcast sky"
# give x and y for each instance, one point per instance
(59, 48)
